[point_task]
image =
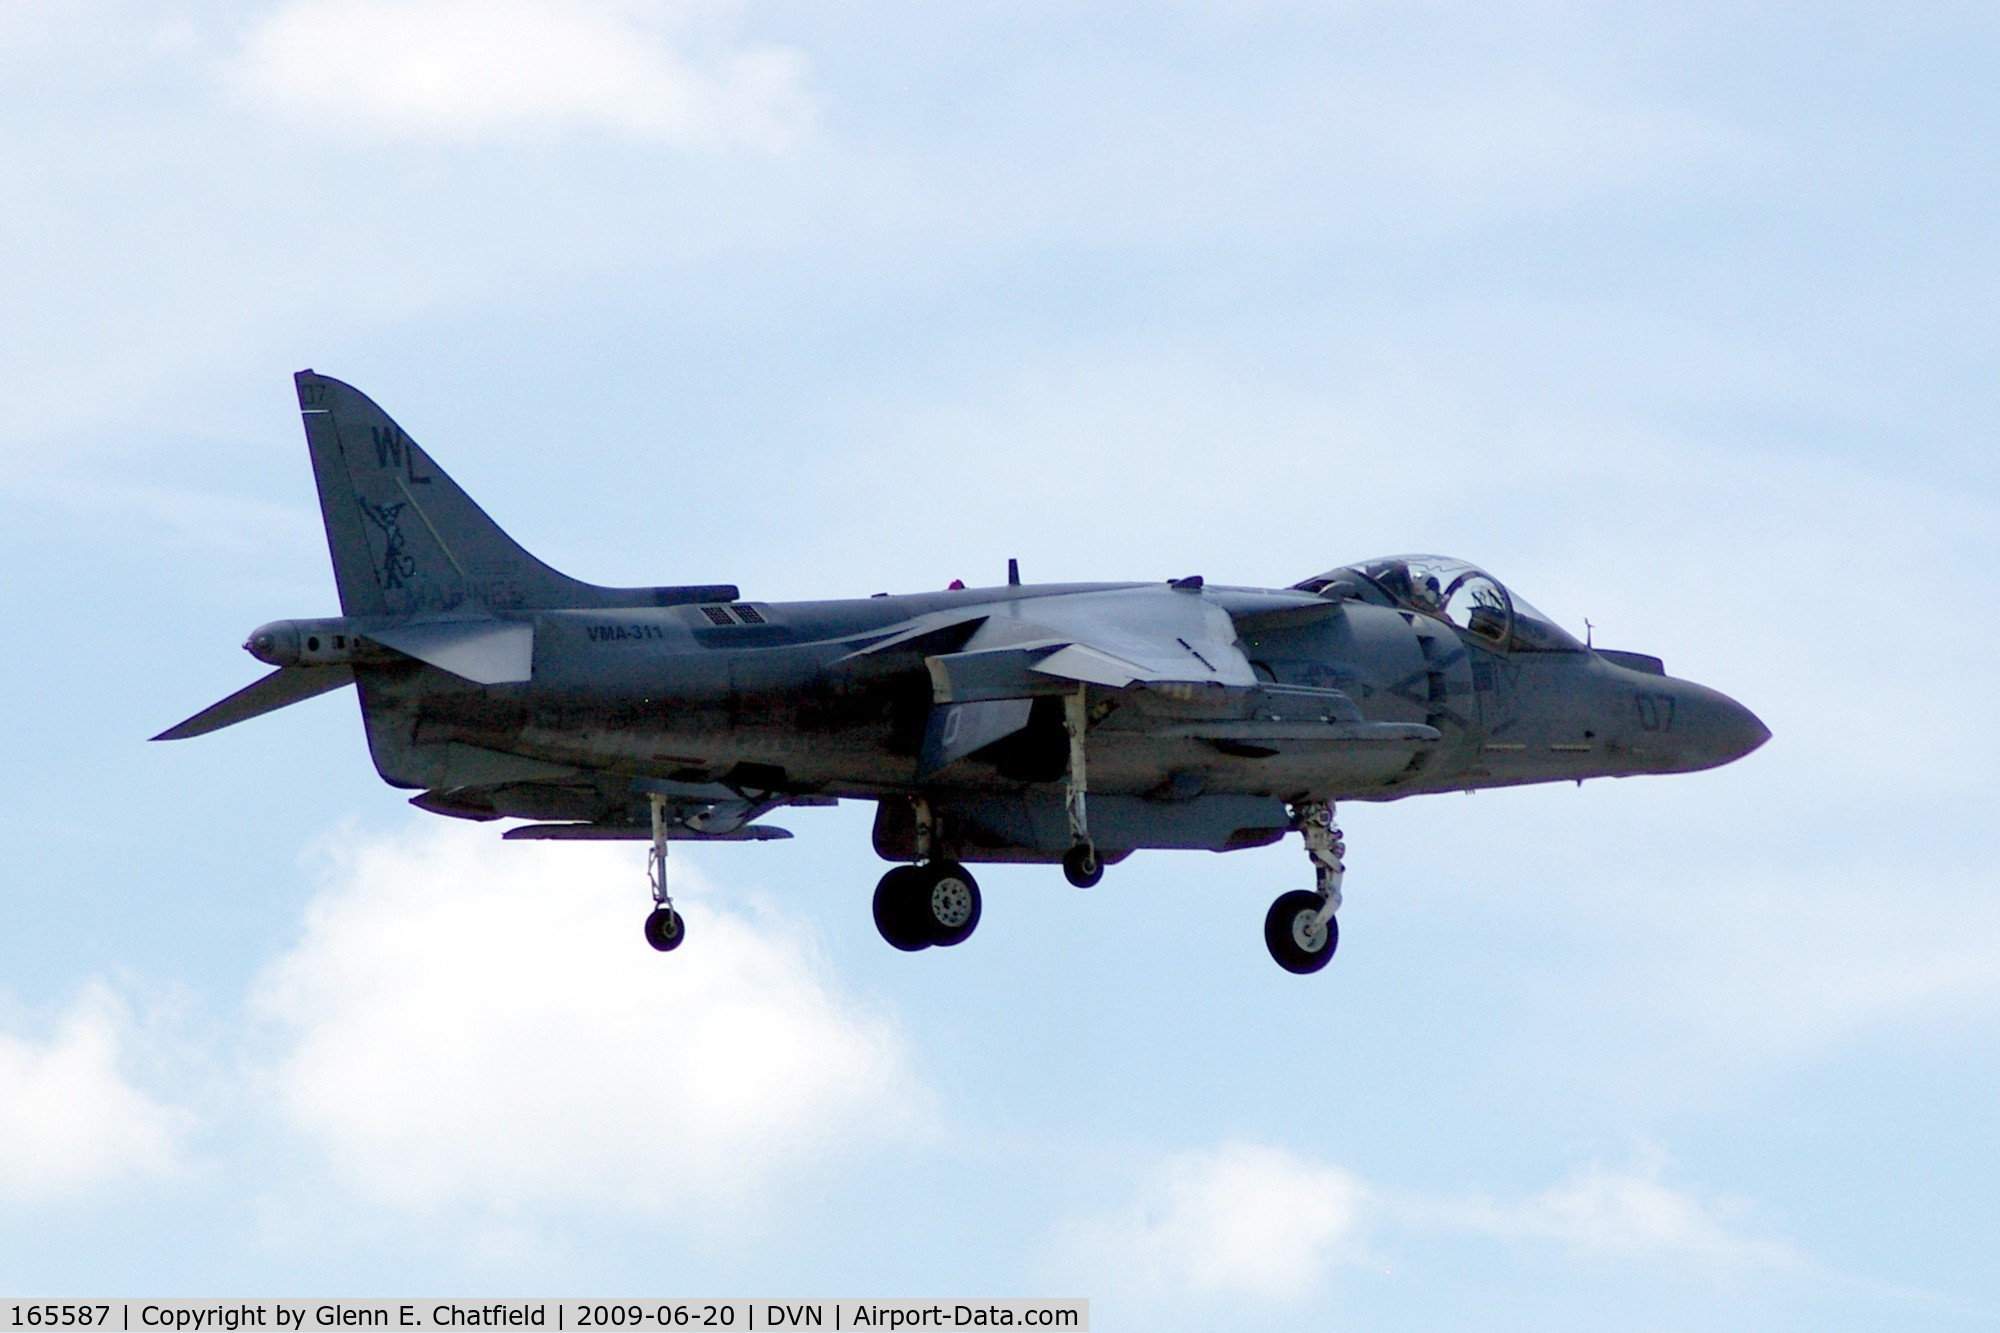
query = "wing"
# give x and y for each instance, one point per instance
(1116, 638)
(1171, 641)
(1149, 635)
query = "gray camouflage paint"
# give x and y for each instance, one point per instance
(498, 687)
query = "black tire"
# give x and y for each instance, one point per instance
(665, 930)
(1288, 941)
(948, 903)
(1082, 867)
(899, 911)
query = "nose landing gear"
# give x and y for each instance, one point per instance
(1300, 930)
(1299, 938)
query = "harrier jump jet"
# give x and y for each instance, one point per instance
(1053, 723)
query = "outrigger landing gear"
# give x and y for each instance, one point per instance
(1300, 930)
(935, 901)
(664, 928)
(1080, 864)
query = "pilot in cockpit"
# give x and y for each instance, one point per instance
(1426, 595)
(1453, 591)
(1392, 577)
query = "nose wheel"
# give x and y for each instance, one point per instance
(1300, 930)
(1300, 937)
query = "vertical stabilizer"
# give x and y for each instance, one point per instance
(407, 541)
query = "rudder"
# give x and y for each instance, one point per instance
(407, 541)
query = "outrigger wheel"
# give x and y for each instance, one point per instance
(1081, 866)
(918, 906)
(665, 930)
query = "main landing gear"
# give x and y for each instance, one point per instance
(1300, 930)
(935, 901)
(664, 928)
(918, 906)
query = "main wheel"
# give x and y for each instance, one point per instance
(948, 903)
(1295, 936)
(1081, 866)
(665, 930)
(900, 913)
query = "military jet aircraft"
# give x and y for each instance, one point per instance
(1052, 723)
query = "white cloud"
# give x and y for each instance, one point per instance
(1627, 1212)
(1238, 1219)
(70, 1122)
(470, 1021)
(456, 70)
(1245, 1219)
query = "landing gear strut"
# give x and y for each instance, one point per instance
(664, 928)
(935, 901)
(1300, 930)
(1080, 864)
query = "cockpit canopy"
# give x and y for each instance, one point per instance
(1460, 594)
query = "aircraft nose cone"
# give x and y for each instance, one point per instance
(1741, 731)
(1724, 730)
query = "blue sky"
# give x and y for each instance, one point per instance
(1679, 318)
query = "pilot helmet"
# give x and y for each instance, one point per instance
(1424, 590)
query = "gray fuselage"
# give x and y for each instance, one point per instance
(777, 700)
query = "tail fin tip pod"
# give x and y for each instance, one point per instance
(406, 540)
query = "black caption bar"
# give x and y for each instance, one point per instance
(738, 1316)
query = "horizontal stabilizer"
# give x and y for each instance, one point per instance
(639, 833)
(487, 652)
(286, 685)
